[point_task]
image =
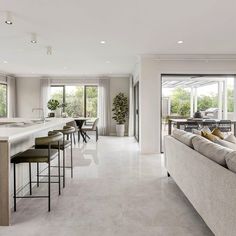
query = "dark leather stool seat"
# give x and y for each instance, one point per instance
(34, 155)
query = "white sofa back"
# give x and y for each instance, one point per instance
(210, 187)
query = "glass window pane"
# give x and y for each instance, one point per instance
(3, 100)
(91, 101)
(74, 99)
(57, 93)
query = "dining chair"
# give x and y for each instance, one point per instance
(91, 128)
(188, 127)
(225, 126)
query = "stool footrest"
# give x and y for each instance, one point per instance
(52, 182)
(33, 197)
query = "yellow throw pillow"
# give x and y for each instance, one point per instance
(218, 133)
(209, 136)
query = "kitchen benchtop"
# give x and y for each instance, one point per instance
(15, 128)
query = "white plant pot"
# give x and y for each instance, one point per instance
(58, 112)
(120, 130)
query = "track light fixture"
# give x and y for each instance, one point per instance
(49, 50)
(8, 18)
(33, 38)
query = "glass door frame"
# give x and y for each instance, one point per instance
(136, 111)
(187, 74)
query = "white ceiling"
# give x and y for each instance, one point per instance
(74, 29)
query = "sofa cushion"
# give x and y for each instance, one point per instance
(183, 137)
(225, 143)
(211, 150)
(230, 138)
(231, 161)
(218, 133)
(196, 131)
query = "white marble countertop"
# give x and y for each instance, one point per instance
(14, 128)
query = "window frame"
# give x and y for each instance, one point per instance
(5, 84)
(85, 95)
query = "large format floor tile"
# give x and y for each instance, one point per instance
(115, 191)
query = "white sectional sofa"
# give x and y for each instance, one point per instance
(209, 186)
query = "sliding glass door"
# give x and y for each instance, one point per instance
(136, 111)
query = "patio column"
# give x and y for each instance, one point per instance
(225, 101)
(191, 101)
(195, 99)
(234, 97)
(220, 97)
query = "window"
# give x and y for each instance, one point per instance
(3, 100)
(57, 93)
(74, 98)
(80, 100)
(91, 97)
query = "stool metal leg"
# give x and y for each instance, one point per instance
(64, 170)
(14, 174)
(37, 174)
(49, 186)
(74, 138)
(71, 153)
(59, 170)
(30, 180)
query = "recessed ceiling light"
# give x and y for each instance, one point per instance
(103, 42)
(5, 62)
(108, 62)
(8, 18)
(180, 42)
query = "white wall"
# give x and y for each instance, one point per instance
(117, 85)
(151, 69)
(28, 94)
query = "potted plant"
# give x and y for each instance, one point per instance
(120, 113)
(53, 104)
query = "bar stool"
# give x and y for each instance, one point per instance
(66, 131)
(73, 124)
(63, 145)
(39, 156)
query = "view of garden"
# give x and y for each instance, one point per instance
(77, 101)
(3, 100)
(180, 101)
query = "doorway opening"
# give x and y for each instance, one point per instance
(212, 96)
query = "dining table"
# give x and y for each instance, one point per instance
(179, 122)
(80, 122)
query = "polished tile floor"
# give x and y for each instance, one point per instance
(115, 191)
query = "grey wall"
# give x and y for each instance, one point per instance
(28, 95)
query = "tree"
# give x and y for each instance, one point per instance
(180, 102)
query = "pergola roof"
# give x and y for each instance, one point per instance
(190, 81)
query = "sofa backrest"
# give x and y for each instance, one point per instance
(183, 137)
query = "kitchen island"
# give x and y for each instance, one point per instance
(17, 135)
